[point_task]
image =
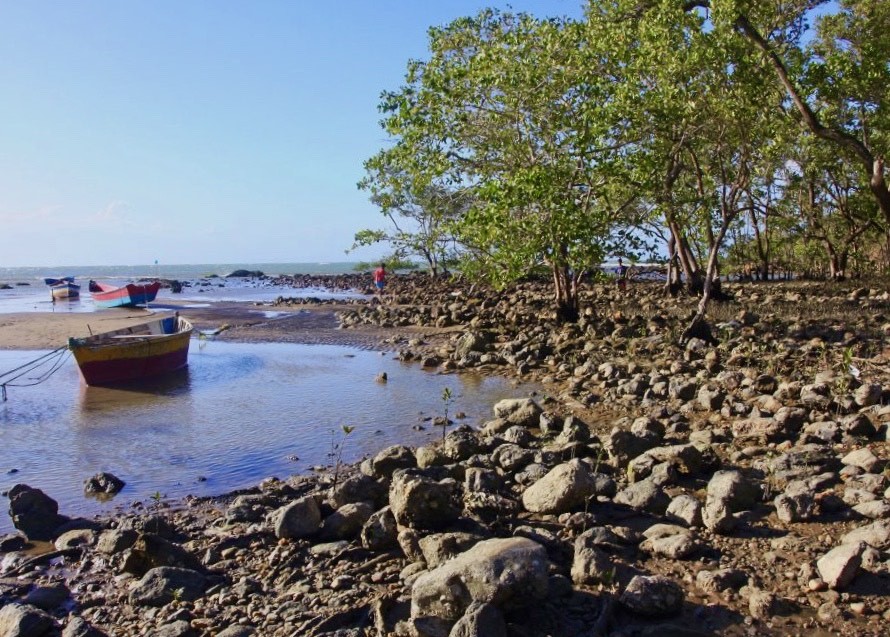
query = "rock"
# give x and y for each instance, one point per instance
(728, 492)
(79, 627)
(12, 543)
(178, 628)
(519, 411)
(721, 580)
(472, 341)
(687, 457)
(388, 461)
(762, 604)
(678, 545)
(480, 620)
(565, 487)
(498, 572)
(441, 547)
(591, 565)
(841, 564)
(75, 537)
(423, 503)
(298, 519)
(103, 484)
(796, 504)
(876, 535)
(112, 541)
(653, 596)
(380, 532)
(685, 508)
(644, 495)
(874, 510)
(21, 620)
(357, 488)
(163, 584)
(346, 522)
(863, 458)
(150, 551)
(47, 598)
(34, 513)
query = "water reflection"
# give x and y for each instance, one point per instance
(133, 395)
(239, 413)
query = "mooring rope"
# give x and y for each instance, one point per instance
(54, 358)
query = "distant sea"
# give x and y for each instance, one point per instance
(203, 282)
(179, 272)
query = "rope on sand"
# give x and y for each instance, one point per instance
(53, 359)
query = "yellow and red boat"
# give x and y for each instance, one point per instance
(133, 353)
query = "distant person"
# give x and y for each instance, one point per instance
(621, 273)
(380, 278)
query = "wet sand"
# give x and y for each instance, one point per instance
(234, 321)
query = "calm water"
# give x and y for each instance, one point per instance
(28, 293)
(238, 414)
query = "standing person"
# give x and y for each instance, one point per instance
(621, 272)
(380, 278)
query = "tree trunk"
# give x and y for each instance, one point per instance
(566, 292)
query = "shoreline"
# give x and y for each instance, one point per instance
(713, 486)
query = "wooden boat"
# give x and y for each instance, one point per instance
(64, 288)
(127, 295)
(146, 350)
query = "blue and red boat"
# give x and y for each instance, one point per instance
(146, 350)
(129, 295)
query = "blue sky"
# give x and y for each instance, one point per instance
(200, 131)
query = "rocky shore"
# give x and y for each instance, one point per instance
(731, 488)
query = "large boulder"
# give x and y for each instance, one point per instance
(565, 487)
(151, 551)
(298, 519)
(499, 572)
(22, 620)
(162, 585)
(420, 502)
(519, 411)
(653, 596)
(34, 513)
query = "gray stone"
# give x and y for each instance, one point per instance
(20, 620)
(388, 461)
(79, 627)
(346, 522)
(685, 508)
(423, 503)
(103, 484)
(565, 487)
(380, 532)
(498, 571)
(162, 585)
(653, 596)
(876, 535)
(591, 565)
(47, 598)
(728, 492)
(841, 564)
(721, 580)
(863, 458)
(519, 411)
(33, 512)
(438, 548)
(298, 519)
(644, 495)
(480, 620)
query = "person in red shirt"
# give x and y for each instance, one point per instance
(380, 278)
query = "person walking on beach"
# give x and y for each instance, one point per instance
(621, 272)
(380, 278)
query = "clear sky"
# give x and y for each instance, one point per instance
(200, 131)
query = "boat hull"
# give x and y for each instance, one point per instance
(129, 355)
(125, 296)
(65, 290)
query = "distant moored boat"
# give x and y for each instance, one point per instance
(64, 288)
(127, 295)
